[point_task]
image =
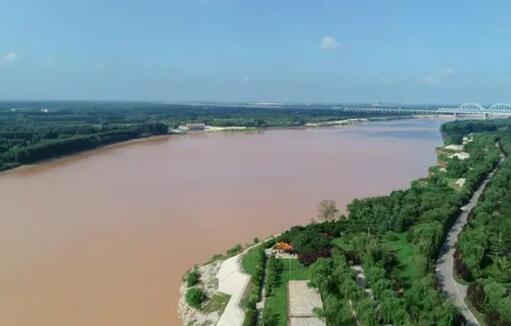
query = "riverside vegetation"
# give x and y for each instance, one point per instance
(395, 239)
(36, 131)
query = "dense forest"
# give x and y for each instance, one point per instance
(395, 239)
(483, 255)
(35, 131)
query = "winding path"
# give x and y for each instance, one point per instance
(232, 281)
(455, 291)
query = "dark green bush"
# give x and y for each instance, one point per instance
(194, 297)
(193, 277)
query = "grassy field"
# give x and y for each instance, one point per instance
(277, 302)
(406, 252)
(216, 303)
(250, 259)
(342, 243)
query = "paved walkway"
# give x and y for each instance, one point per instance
(302, 301)
(455, 291)
(232, 281)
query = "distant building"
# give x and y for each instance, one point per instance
(196, 126)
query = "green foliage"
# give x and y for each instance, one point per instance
(234, 250)
(270, 318)
(484, 246)
(277, 302)
(193, 277)
(28, 134)
(312, 241)
(273, 275)
(194, 297)
(253, 262)
(216, 303)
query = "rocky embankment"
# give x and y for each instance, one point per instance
(208, 283)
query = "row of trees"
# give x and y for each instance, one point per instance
(29, 134)
(253, 294)
(27, 141)
(484, 247)
(425, 213)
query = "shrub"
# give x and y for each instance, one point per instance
(270, 318)
(273, 278)
(460, 268)
(308, 258)
(476, 296)
(234, 250)
(250, 314)
(255, 291)
(193, 277)
(194, 297)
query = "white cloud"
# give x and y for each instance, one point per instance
(329, 43)
(439, 77)
(99, 66)
(449, 71)
(10, 56)
(385, 80)
(431, 80)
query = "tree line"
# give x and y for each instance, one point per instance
(397, 238)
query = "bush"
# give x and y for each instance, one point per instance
(308, 258)
(476, 296)
(194, 297)
(460, 268)
(234, 250)
(193, 277)
(250, 314)
(273, 278)
(255, 285)
(270, 318)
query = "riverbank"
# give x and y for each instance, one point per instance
(85, 152)
(123, 225)
(214, 129)
(417, 240)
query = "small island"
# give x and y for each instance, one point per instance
(437, 253)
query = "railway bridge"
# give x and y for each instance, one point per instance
(497, 109)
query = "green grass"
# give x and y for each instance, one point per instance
(216, 303)
(479, 316)
(451, 182)
(250, 259)
(342, 243)
(407, 269)
(277, 302)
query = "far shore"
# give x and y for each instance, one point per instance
(158, 137)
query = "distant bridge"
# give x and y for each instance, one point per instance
(500, 109)
(476, 108)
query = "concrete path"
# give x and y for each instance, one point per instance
(455, 291)
(232, 281)
(302, 300)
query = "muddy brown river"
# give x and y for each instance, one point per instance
(103, 238)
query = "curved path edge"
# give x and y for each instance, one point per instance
(455, 291)
(232, 281)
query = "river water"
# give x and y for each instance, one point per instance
(103, 238)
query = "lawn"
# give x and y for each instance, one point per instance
(343, 243)
(216, 303)
(451, 182)
(406, 252)
(250, 259)
(277, 302)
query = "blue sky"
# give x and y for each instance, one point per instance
(256, 50)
